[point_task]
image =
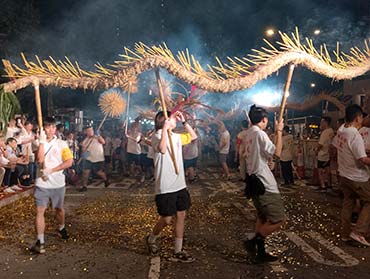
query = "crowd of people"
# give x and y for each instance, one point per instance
(168, 156)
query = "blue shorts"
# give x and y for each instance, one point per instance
(192, 163)
(133, 159)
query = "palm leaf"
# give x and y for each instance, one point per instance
(9, 106)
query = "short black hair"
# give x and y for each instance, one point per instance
(327, 119)
(9, 140)
(256, 114)
(60, 125)
(245, 124)
(48, 121)
(352, 111)
(159, 120)
(340, 120)
(286, 128)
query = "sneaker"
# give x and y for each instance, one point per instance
(38, 248)
(346, 239)
(83, 189)
(250, 246)
(320, 189)
(63, 234)
(106, 183)
(182, 257)
(153, 248)
(265, 258)
(16, 188)
(359, 238)
(142, 179)
(9, 190)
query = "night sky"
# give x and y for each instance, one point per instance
(96, 30)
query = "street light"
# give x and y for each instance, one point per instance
(312, 85)
(270, 32)
(317, 32)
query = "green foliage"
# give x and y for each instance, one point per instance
(9, 106)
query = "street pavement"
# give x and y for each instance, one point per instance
(108, 226)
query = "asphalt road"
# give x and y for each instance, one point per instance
(108, 227)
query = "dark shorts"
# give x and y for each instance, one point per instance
(269, 207)
(133, 159)
(323, 164)
(223, 157)
(192, 163)
(107, 159)
(168, 204)
(43, 195)
(94, 167)
(146, 162)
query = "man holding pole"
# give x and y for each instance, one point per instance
(172, 198)
(93, 152)
(55, 156)
(269, 206)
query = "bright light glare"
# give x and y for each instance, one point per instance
(270, 32)
(312, 85)
(317, 31)
(266, 98)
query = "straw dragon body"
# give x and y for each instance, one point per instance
(237, 74)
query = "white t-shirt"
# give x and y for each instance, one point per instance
(11, 131)
(365, 133)
(133, 146)
(350, 147)
(150, 154)
(11, 153)
(287, 149)
(225, 137)
(95, 149)
(57, 152)
(259, 149)
(166, 180)
(191, 150)
(27, 148)
(325, 140)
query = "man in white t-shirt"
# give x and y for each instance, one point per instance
(240, 148)
(286, 157)
(93, 153)
(172, 198)
(270, 209)
(365, 133)
(12, 129)
(224, 148)
(354, 175)
(191, 153)
(55, 156)
(134, 149)
(323, 155)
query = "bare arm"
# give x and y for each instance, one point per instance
(365, 161)
(190, 130)
(279, 138)
(162, 146)
(279, 143)
(65, 165)
(100, 139)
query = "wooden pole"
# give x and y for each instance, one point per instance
(102, 122)
(164, 109)
(286, 92)
(36, 85)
